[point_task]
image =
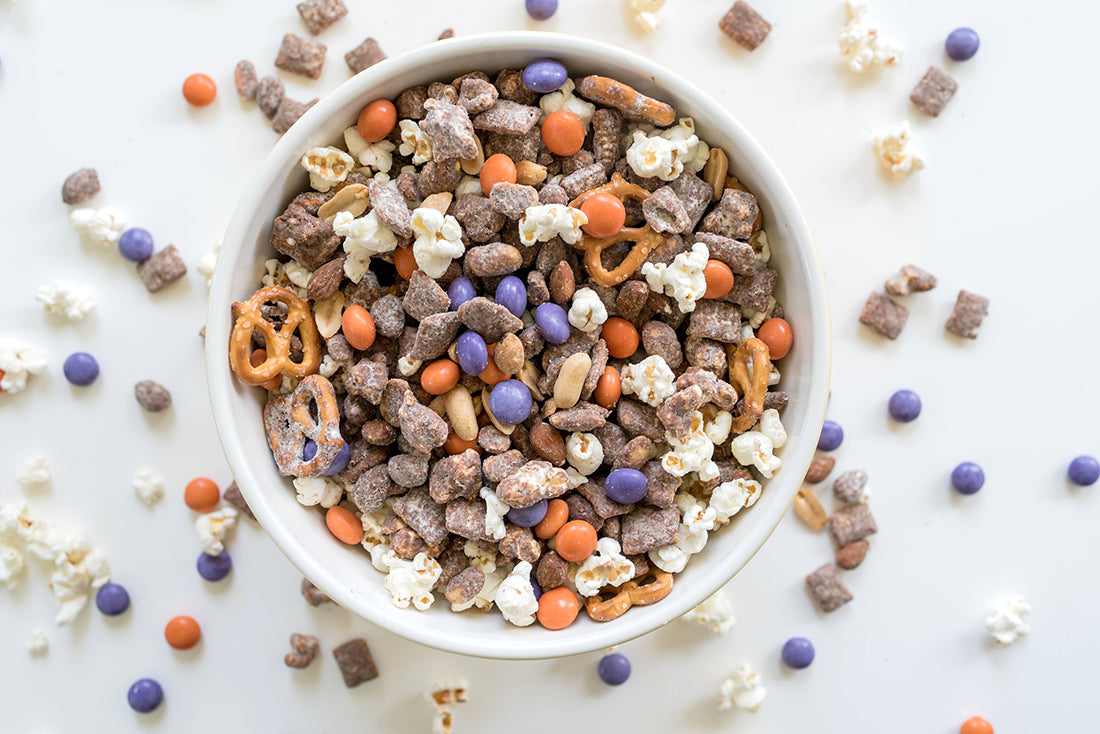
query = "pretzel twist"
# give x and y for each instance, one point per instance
(630, 594)
(753, 387)
(289, 422)
(276, 342)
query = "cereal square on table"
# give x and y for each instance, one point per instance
(366, 54)
(884, 316)
(355, 662)
(852, 524)
(827, 589)
(933, 91)
(967, 315)
(320, 14)
(80, 186)
(299, 56)
(162, 269)
(745, 26)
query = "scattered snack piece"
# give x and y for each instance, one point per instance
(38, 644)
(152, 396)
(81, 369)
(182, 632)
(162, 269)
(149, 486)
(444, 696)
(112, 599)
(743, 689)
(967, 315)
(355, 662)
(933, 91)
(614, 669)
(305, 648)
(910, 278)
(904, 406)
(18, 361)
(832, 435)
(145, 695)
(135, 244)
(66, 299)
(102, 226)
(320, 14)
(233, 497)
(895, 151)
(745, 26)
(860, 43)
(363, 56)
(852, 524)
(884, 316)
(961, 44)
(199, 90)
(827, 589)
(213, 527)
(80, 186)
(313, 595)
(207, 264)
(851, 486)
(715, 612)
(34, 474)
(289, 112)
(299, 56)
(647, 13)
(820, 468)
(245, 79)
(214, 568)
(967, 478)
(976, 725)
(797, 653)
(1008, 620)
(851, 555)
(808, 507)
(269, 95)
(1084, 470)
(447, 33)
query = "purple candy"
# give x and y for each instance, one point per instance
(541, 9)
(798, 653)
(339, 462)
(112, 599)
(962, 44)
(553, 322)
(511, 401)
(527, 517)
(145, 695)
(1084, 471)
(512, 294)
(614, 669)
(626, 486)
(967, 478)
(473, 355)
(832, 435)
(135, 244)
(904, 406)
(460, 290)
(544, 75)
(214, 568)
(537, 589)
(81, 369)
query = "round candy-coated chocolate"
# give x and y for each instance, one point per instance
(541, 9)
(614, 669)
(527, 517)
(798, 653)
(135, 244)
(81, 369)
(214, 568)
(553, 322)
(511, 401)
(967, 478)
(460, 290)
(145, 695)
(544, 75)
(112, 599)
(961, 44)
(832, 435)
(536, 589)
(626, 486)
(339, 462)
(1084, 470)
(904, 406)
(473, 355)
(512, 294)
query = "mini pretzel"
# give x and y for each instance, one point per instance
(289, 422)
(277, 343)
(644, 238)
(754, 387)
(630, 595)
(633, 104)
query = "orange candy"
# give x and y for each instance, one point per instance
(199, 90)
(719, 279)
(557, 513)
(377, 120)
(608, 388)
(405, 262)
(497, 168)
(776, 333)
(2, 377)
(257, 358)
(358, 327)
(563, 132)
(439, 377)
(606, 214)
(201, 494)
(343, 523)
(492, 374)
(182, 632)
(455, 445)
(621, 337)
(976, 725)
(558, 608)
(575, 541)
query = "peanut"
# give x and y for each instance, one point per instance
(460, 411)
(440, 202)
(327, 315)
(509, 354)
(714, 172)
(807, 506)
(570, 382)
(473, 166)
(529, 376)
(353, 199)
(530, 173)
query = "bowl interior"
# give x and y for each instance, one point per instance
(346, 574)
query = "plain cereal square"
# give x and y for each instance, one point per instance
(355, 662)
(827, 589)
(320, 14)
(967, 315)
(884, 316)
(299, 56)
(162, 269)
(649, 528)
(933, 91)
(745, 26)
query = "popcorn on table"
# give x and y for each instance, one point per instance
(715, 612)
(443, 695)
(683, 280)
(1008, 621)
(18, 361)
(438, 240)
(651, 380)
(102, 226)
(38, 644)
(327, 167)
(544, 222)
(515, 597)
(647, 13)
(411, 582)
(363, 238)
(66, 299)
(149, 486)
(213, 527)
(34, 473)
(208, 262)
(743, 689)
(588, 312)
(860, 43)
(895, 151)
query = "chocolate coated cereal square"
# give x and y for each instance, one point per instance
(967, 315)
(660, 485)
(745, 26)
(355, 662)
(933, 91)
(424, 297)
(852, 524)
(162, 269)
(80, 186)
(269, 95)
(152, 396)
(649, 528)
(289, 112)
(320, 14)
(827, 589)
(422, 514)
(884, 316)
(313, 595)
(715, 320)
(299, 56)
(508, 117)
(734, 216)
(233, 497)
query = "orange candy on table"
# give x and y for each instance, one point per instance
(496, 169)
(776, 333)
(377, 120)
(575, 541)
(606, 214)
(358, 327)
(405, 262)
(439, 377)
(563, 132)
(719, 279)
(558, 608)
(456, 445)
(199, 90)
(182, 632)
(976, 725)
(258, 357)
(621, 337)
(609, 388)
(201, 494)
(343, 523)
(557, 513)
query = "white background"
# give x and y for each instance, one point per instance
(1005, 208)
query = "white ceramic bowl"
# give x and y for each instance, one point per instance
(346, 574)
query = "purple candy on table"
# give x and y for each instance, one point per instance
(527, 517)
(614, 669)
(798, 653)
(626, 486)
(544, 75)
(460, 290)
(967, 478)
(1084, 470)
(512, 294)
(962, 44)
(904, 406)
(145, 695)
(511, 401)
(472, 353)
(541, 9)
(81, 369)
(832, 435)
(112, 599)
(214, 568)
(553, 322)
(136, 244)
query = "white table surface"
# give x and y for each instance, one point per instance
(1003, 209)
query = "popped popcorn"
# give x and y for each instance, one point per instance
(717, 423)
(415, 142)
(102, 226)
(34, 473)
(213, 527)
(695, 526)
(207, 263)
(607, 566)
(11, 565)
(279, 274)
(327, 167)
(18, 361)
(664, 156)
(374, 156)
(588, 312)
(772, 427)
(895, 151)
(646, 13)
(438, 241)
(65, 299)
(493, 579)
(408, 367)
(483, 559)
(584, 452)
(1008, 620)
(683, 280)
(728, 498)
(753, 448)
(692, 454)
(861, 44)
(651, 380)
(411, 581)
(564, 99)
(38, 644)
(515, 597)
(743, 689)
(495, 510)
(363, 238)
(313, 491)
(544, 222)
(683, 131)
(149, 486)
(715, 612)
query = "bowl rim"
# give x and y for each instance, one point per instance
(220, 377)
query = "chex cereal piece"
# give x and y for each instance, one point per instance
(820, 468)
(269, 95)
(289, 112)
(80, 186)
(715, 320)
(507, 117)
(734, 216)
(852, 524)
(933, 91)
(355, 662)
(365, 55)
(447, 33)
(152, 396)
(424, 297)
(910, 278)
(967, 315)
(299, 56)
(162, 269)
(320, 14)
(305, 649)
(884, 316)
(827, 589)
(754, 291)
(313, 595)
(245, 79)
(738, 255)
(233, 497)
(448, 127)
(649, 528)
(745, 26)
(851, 486)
